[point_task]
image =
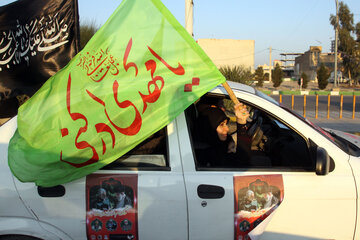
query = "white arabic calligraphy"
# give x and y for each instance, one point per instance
(28, 39)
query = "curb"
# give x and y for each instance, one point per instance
(298, 92)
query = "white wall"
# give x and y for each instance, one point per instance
(229, 52)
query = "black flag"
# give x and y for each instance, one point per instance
(37, 39)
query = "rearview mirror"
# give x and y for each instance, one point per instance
(322, 162)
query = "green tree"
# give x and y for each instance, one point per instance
(259, 76)
(323, 76)
(238, 74)
(266, 77)
(349, 41)
(305, 80)
(87, 30)
(276, 76)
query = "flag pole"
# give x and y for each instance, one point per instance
(231, 93)
(189, 13)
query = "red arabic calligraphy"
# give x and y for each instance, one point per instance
(97, 67)
(102, 127)
(178, 71)
(126, 55)
(82, 144)
(135, 126)
(154, 95)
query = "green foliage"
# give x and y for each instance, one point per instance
(87, 30)
(305, 80)
(277, 75)
(266, 77)
(259, 76)
(323, 75)
(349, 41)
(238, 74)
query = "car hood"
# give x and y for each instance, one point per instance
(354, 139)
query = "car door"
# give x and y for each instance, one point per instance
(139, 196)
(213, 208)
(309, 205)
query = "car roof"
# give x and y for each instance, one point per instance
(234, 86)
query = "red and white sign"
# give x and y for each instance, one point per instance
(256, 197)
(111, 206)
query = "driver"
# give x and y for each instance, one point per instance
(214, 146)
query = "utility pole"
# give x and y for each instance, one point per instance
(189, 6)
(270, 67)
(189, 18)
(336, 42)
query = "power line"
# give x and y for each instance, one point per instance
(300, 22)
(281, 50)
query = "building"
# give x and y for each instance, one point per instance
(230, 52)
(277, 62)
(288, 60)
(266, 68)
(311, 60)
(287, 68)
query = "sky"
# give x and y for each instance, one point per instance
(287, 26)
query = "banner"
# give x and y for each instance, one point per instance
(111, 206)
(138, 72)
(37, 39)
(256, 199)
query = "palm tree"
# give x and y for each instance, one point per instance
(237, 74)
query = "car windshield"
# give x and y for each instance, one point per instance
(340, 142)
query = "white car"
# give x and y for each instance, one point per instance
(301, 182)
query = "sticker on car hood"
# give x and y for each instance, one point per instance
(256, 198)
(111, 206)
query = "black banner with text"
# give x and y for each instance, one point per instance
(37, 39)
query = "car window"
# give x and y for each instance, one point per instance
(151, 154)
(344, 145)
(265, 142)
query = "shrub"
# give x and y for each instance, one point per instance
(87, 30)
(322, 76)
(238, 74)
(277, 75)
(259, 76)
(305, 80)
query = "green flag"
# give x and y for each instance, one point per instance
(137, 73)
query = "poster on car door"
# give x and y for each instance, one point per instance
(256, 198)
(111, 206)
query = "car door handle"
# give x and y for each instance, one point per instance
(210, 191)
(56, 191)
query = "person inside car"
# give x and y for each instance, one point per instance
(214, 147)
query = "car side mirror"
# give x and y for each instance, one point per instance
(322, 162)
